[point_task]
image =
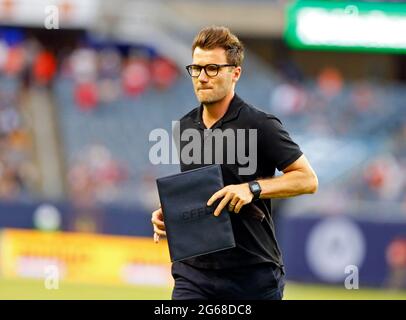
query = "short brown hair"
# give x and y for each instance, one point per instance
(220, 37)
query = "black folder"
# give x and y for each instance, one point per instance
(191, 228)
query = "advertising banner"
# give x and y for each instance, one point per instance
(330, 249)
(85, 258)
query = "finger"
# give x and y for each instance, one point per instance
(233, 203)
(159, 232)
(156, 237)
(216, 196)
(157, 218)
(160, 227)
(157, 222)
(158, 214)
(239, 206)
(222, 204)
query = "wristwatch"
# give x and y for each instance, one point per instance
(255, 189)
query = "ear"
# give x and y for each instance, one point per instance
(237, 73)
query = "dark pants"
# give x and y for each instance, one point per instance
(256, 282)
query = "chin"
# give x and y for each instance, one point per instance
(207, 100)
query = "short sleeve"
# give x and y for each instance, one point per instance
(276, 145)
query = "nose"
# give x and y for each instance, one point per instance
(203, 76)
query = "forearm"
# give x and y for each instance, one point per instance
(289, 184)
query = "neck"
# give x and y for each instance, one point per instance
(212, 112)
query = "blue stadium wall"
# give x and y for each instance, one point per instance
(315, 249)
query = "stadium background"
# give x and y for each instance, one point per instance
(77, 105)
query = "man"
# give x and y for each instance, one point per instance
(254, 268)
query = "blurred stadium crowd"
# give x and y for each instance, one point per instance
(97, 78)
(109, 97)
(366, 111)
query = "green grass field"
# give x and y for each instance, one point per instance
(34, 289)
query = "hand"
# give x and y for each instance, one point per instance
(158, 223)
(237, 195)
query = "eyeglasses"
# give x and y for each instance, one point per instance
(211, 70)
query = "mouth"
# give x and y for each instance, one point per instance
(202, 89)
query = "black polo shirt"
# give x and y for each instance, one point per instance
(255, 238)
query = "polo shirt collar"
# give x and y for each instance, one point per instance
(232, 112)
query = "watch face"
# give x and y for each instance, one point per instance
(255, 188)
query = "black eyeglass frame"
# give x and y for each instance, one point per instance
(218, 66)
